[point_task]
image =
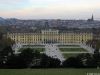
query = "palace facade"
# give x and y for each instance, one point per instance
(50, 36)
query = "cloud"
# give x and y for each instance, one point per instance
(48, 8)
(6, 2)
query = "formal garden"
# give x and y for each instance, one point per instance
(31, 61)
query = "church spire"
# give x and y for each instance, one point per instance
(92, 18)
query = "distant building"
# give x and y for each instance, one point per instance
(46, 24)
(51, 36)
(92, 19)
(96, 34)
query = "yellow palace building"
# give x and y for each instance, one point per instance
(50, 36)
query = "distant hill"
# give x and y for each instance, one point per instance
(1, 19)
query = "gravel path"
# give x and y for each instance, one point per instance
(53, 51)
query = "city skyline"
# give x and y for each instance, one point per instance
(50, 9)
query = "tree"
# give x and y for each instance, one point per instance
(28, 56)
(96, 57)
(72, 62)
(94, 43)
(5, 48)
(5, 54)
(87, 60)
(48, 62)
(15, 62)
(80, 61)
(26, 59)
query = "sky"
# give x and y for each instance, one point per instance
(50, 9)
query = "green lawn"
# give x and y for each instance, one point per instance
(68, 46)
(38, 49)
(70, 55)
(48, 71)
(33, 45)
(72, 50)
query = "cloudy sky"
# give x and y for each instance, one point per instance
(50, 9)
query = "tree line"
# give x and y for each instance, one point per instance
(30, 58)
